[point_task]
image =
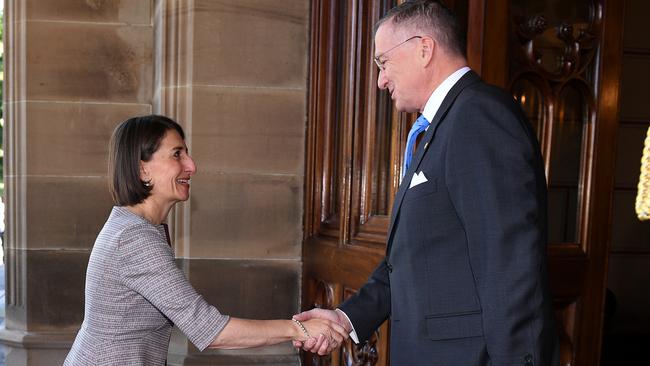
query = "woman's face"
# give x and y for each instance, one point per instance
(169, 170)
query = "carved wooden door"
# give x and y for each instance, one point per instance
(353, 165)
(561, 60)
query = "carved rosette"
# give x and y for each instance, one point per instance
(362, 354)
(558, 52)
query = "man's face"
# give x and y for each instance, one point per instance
(399, 72)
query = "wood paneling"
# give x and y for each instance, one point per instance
(353, 166)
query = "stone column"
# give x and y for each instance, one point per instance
(73, 70)
(234, 73)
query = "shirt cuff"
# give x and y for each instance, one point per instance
(353, 333)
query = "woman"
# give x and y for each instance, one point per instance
(134, 291)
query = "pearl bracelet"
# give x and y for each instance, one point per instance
(302, 327)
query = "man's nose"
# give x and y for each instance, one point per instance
(382, 82)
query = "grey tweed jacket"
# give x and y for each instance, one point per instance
(134, 294)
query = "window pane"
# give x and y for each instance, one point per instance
(570, 118)
(532, 101)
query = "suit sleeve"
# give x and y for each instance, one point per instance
(148, 267)
(496, 184)
(370, 306)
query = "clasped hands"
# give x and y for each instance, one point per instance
(327, 330)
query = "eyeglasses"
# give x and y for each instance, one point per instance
(380, 63)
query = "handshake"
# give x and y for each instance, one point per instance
(322, 330)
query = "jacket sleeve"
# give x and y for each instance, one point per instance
(370, 306)
(495, 180)
(147, 266)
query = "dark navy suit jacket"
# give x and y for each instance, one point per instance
(464, 281)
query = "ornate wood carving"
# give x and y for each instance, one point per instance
(323, 295)
(557, 64)
(364, 354)
(576, 44)
(361, 355)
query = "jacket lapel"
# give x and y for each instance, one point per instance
(469, 78)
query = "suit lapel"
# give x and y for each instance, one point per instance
(469, 78)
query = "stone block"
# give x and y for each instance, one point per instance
(250, 42)
(105, 11)
(256, 289)
(89, 62)
(71, 139)
(34, 357)
(245, 216)
(65, 213)
(48, 289)
(248, 130)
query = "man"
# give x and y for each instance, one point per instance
(464, 279)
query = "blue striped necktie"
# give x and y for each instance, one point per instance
(420, 125)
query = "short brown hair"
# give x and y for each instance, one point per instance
(429, 16)
(135, 139)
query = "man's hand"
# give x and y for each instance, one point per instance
(322, 345)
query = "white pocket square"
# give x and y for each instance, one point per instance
(418, 178)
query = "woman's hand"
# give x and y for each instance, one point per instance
(327, 334)
(316, 344)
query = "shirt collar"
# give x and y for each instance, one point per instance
(438, 95)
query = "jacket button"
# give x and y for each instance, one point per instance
(528, 360)
(389, 267)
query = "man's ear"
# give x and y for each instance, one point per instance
(427, 48)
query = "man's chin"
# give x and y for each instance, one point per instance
(401, 107)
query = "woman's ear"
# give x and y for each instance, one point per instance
(144, 174)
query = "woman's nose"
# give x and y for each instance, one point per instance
(190, 166)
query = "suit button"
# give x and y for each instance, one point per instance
(528, 360)
(389, 267)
